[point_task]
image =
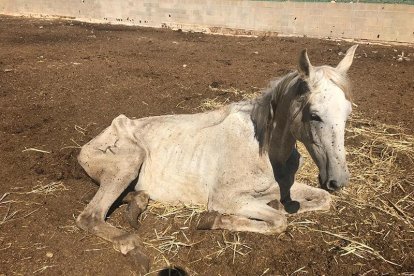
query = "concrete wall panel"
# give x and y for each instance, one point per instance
(383, 22)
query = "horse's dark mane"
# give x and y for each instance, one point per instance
(265, 106)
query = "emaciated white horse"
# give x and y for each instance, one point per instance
(235, 159)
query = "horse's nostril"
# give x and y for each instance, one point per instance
(333, 184)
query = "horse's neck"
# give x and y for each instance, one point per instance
(282, 141)
(281, 145)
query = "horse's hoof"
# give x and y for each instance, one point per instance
(140, 260)
(292, 207)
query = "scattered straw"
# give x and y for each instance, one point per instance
(43, 268)
(70, 229)
(8, 216)
(300, 270)
(375, 152)
(74, 146)
(185, 212)
(236, 246)
(3, 197)
(359, 249)
(167, 243)
(35, 149)
(231, 90)
(209, 104)
(265, 271)
(48, 189)
(79, 129)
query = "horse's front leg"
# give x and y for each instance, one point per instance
(310, 198)
(285, 177)
(252, 216)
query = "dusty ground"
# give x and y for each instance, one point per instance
(62, 82)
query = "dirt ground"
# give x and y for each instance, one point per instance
(63, 82)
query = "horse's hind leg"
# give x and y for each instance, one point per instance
(114, 171)
(310, 198)
(137, 202)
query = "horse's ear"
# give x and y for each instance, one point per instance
(305, 66)
(346, 62)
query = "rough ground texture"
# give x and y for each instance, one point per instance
(62, 82)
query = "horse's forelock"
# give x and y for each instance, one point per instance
(340, 80)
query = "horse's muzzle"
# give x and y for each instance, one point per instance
(330, 185)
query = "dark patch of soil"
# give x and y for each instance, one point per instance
(63, 82)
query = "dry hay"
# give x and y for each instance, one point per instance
(215, 103)
(41, 189)
(48, 189)
(236, 246)
(224, 95)
(169, 241)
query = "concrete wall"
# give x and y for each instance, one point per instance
(383, 22)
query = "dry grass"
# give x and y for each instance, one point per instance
(40, 189)
(235, 246)
(47, 189)
(168, 242)
(8, 215)
(186, 213)
(231, 90)
(357, 248)
(35, 150)
(221, 99)
(210, 104)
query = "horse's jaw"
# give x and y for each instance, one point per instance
(333, 170)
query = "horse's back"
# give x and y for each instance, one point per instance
(186, 153)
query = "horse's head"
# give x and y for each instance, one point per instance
(320, 121)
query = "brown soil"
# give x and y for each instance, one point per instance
(55, 75)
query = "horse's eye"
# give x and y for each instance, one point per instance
(315, 117)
